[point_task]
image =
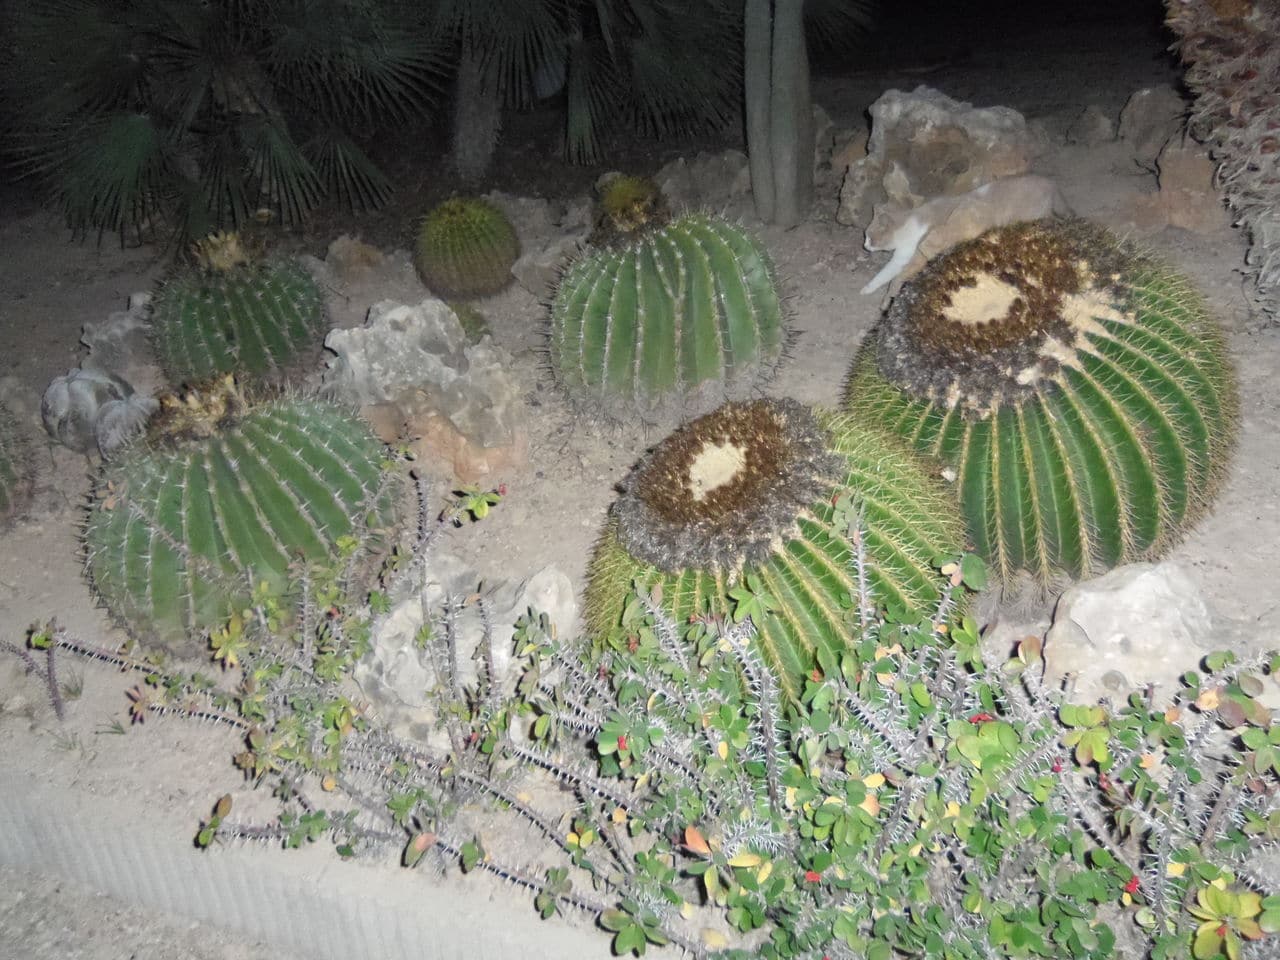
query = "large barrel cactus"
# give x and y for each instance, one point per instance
(232, 312)
(224, 494)
(748, 494)
(690, 307)
(466, 248)
(16, 471)
(1078, 389)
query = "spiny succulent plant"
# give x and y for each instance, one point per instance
(747, 510)
(466, 248)
(677, 314)
(225, 494)
(15, 466)
(1079, 390)
(234, 312)
(628, 205)
(1231, 49)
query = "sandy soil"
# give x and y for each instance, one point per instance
(49, 288)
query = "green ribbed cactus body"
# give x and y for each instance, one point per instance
(253, 318)
(466, 248)
(15, 467)
(1079, 391)
(692, 305)
(774, 520)
(178, 531)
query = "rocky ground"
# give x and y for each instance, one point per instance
(1070, 80)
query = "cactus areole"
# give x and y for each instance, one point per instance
(747, 495)
(1078, 389)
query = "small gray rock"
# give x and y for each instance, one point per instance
(88, 409)
(399, 673)
(1139, 624)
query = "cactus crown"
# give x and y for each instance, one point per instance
(629, 205)
(724, 489)
(197, 412)
(221, 252)
(986, 324)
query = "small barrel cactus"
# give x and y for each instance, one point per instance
(466, 248)
(233, 312)
(16, 473)
(687, 308)
(224, 494)
(1078, 390)
(749, 495)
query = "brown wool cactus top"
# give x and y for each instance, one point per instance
(984, 324)
(727, 488)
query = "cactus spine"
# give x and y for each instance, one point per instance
(234, 313)
(1079, 390)
(181, 526)
(466, 248)
(749, 493)
(692, 305)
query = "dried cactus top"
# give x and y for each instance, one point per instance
(993, 319)
(222, 252)
(726, 489)
(629, 206)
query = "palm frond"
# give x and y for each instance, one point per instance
(113, 179)
(591, 87)
(283, 178)
(346, 172)
(67, 58)
(830, 23)
(358, 60)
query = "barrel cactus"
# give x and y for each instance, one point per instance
(753, 493)
(1077, 388)
(16, 473)
(466, 248)
(688, 309)
(234, 312)
(224, 494)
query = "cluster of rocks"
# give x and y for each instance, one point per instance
(924, 145)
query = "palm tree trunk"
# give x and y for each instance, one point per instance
(477, 119)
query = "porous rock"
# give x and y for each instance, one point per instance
(1149, 118)
(925, 144)
(413, 364)
(1137, 625)
(399, 673)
